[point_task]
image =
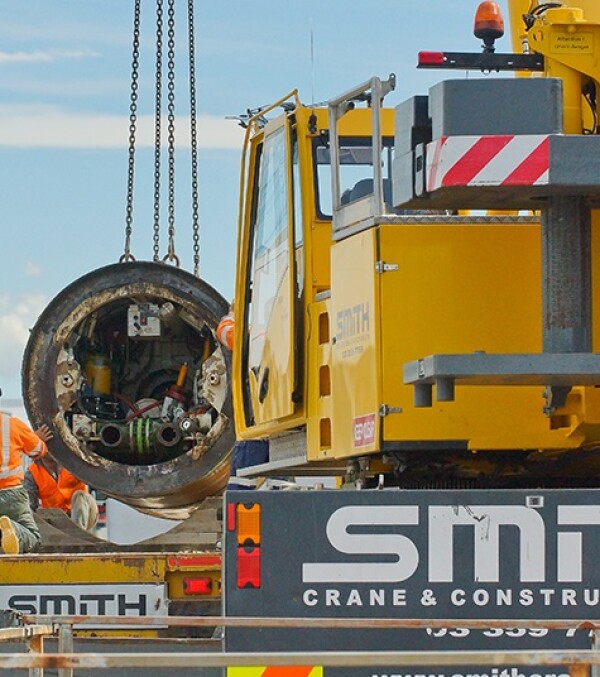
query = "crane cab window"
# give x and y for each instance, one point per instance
(271, 245)
(356, 172)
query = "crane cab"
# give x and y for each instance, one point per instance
(337, 291)
(283, 283)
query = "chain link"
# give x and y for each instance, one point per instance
(135, 63)
(171, 129)
(157, 127)
(194, 139)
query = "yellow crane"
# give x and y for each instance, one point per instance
(342, 289)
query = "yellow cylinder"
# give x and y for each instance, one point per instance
(516, 9)
(182, 375)
(591, 8)
(97, 370)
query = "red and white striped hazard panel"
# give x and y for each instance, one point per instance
(521, 160)
(276, 671)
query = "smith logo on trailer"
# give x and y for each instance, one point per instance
(485, 521)
(383, 549)
(93, 600)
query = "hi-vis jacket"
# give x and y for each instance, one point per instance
(225, 331)
(55, 492)
(16, 438)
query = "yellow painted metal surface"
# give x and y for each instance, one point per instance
(319, 407)
(569, 39)
(462, 289)
(516, 10)
(49, 569)
(591, 8)
(84, 568)
(355, 355)
(434, 303)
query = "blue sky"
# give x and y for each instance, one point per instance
(64, 103)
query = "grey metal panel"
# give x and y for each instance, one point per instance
(411, 124)
(287, 446)
(496, 106)
(403, 176)
(297, 466)
(574, 161)
(547, 369)
(354, 212)
(426, 218)
(509, 369)
(566, 276)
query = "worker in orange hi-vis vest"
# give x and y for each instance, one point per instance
(50, 486)
(18, 530)
(225, 329)
(246, 453)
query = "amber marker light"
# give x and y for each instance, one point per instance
(489, 24)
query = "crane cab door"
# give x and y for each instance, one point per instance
(268, 347)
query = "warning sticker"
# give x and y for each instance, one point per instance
(364, 430)
(573, 43)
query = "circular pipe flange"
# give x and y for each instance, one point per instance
(171, 487)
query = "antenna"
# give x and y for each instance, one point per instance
(312, 60)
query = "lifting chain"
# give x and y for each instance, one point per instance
(171, 256)
(194, 139)
(157, 127)
(135, 63)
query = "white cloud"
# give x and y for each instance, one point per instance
(32, 269)
(17, 316)
(53, 127)
(49, 56)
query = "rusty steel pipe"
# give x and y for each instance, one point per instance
(299, 622)
(61, 382)
(168, 435)
(113, 435)
(328, 659)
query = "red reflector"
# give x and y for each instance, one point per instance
(431, 58)
(248, 567)
(231, 516)
(197, 586)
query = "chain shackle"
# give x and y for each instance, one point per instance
(172, 257)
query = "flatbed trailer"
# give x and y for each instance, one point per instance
(176, 574)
